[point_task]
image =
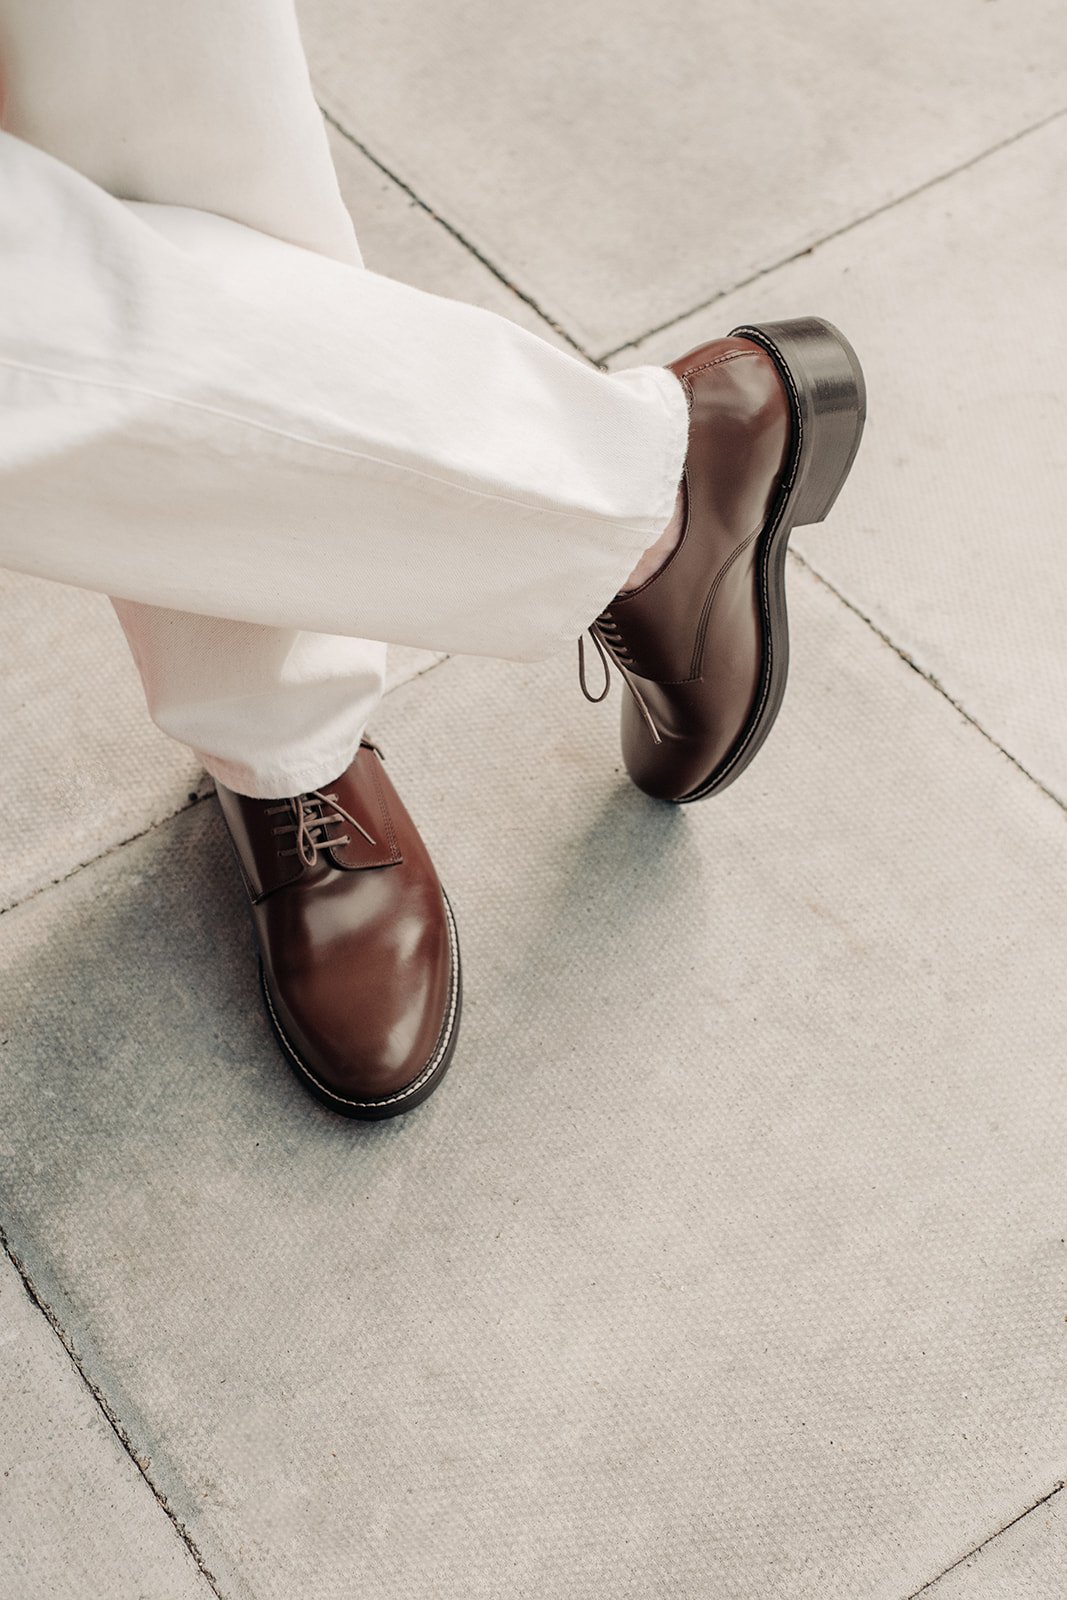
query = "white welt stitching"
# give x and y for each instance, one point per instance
(435, 1059)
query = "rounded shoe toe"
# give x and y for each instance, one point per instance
(376, 1041)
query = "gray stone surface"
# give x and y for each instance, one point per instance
(84, 769)
(83, 766)
(728, 1260)
(949, 534)
(1027, 1562)
(623, 164)
(77, 1520)
(400, 239)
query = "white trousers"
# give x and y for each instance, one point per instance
(267, 455)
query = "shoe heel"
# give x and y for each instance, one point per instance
(824, 377)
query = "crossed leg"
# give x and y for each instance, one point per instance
(260, 450)
(208, 110)
(266, 453)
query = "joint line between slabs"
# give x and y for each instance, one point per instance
(102, 855)
(109, 1416)
(460, 238)
(927, 677)
(187, 805)
(835, 233)
(978, 1548)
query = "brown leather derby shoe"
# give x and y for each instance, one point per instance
(359, 958)
(776, 415)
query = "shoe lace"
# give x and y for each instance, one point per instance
(311, 816)
(610, 647)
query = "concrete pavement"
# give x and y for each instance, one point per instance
(729, 1260)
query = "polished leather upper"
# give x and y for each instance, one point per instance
(358, 947)
(690, 640)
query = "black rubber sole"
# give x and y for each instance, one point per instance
(828, 398)
(414, 1093)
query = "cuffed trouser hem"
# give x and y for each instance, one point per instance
(283, 781)
(633, 542)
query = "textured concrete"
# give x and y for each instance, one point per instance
(84, 769)
(1027, 1562)
(400, 239)
(729, 1259)
(623, 164)
(949, 535)
(74, 722)
(77, 1520)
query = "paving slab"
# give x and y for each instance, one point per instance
(949, 534)
(728, 1260)
(400, 239)
(78, 742)
(1027, 1562)
(622, 165)
(84, 768)
(77, 1519)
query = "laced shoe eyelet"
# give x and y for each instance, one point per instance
(313, 814)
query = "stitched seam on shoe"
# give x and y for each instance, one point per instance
(767, 662)
(255, 895)
(439, 1049)
(731, 355)
(252, 893)
(698, 650)
(383, 807)
(785, 372)
(705, 615)
(766, 666)
(702, 625)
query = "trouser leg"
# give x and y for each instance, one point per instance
(207, 108)
(264, 434)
